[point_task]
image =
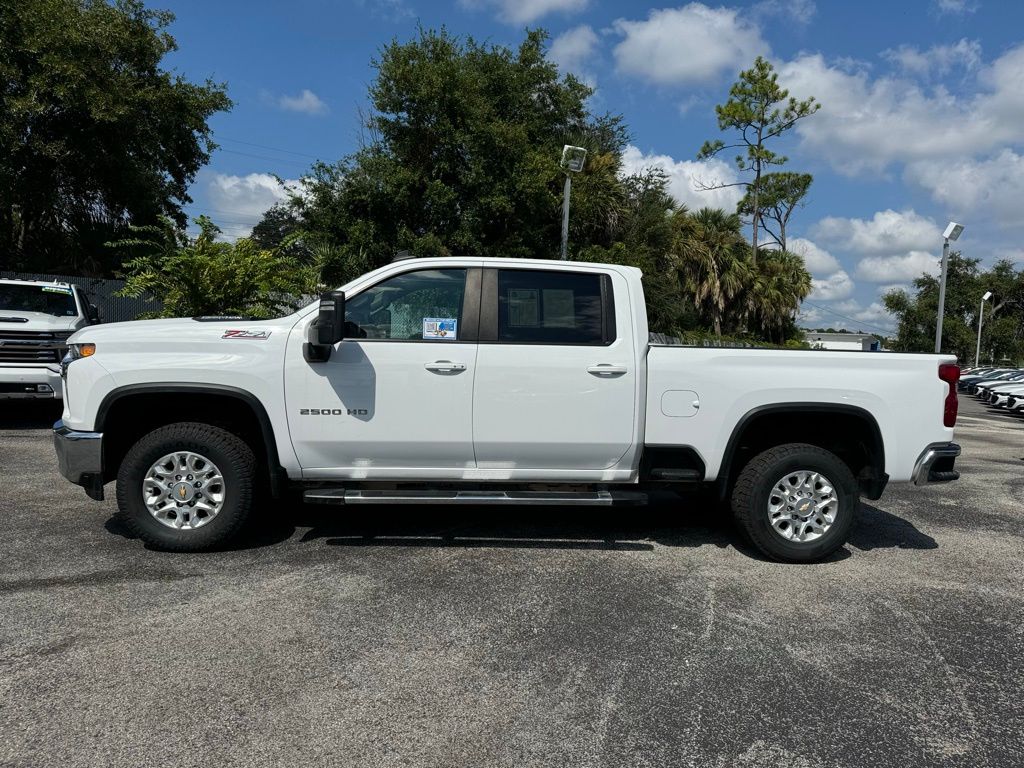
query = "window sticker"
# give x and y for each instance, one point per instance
(559, 308)
(523, 307)
(56, 289)
(440, 328)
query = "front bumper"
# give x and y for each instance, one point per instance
(29, 383)
(80, 458)
(935, 464)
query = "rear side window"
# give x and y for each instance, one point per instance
(538, 307)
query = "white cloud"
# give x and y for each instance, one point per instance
(800, 11)
(686, 177)
(884, 289)
(307, 102)
(848, 315)
(877, 315)
(866, 124)
(903, 267)
(937, 60)
(237, 203)
(836, 286)
(817, 260)
(887, 232)
(692, 44)
(956, 7)
(526, 11)
(994, 185)
(389, 10)
(573, 49)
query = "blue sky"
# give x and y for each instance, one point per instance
(922, 115)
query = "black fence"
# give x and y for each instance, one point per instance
(113, 308)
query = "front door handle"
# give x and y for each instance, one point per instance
(604, 369)
(444, 366)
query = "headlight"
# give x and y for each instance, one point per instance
(76, 351)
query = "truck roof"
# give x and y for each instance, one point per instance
(19, 281)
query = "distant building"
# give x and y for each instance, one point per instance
(859, 342)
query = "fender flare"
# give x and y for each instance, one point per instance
(871, 488)
(278, 476)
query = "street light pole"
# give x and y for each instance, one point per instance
(565, 216)
(952, 232)
(573, 159)
(981, 316)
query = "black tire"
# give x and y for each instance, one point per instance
(754, 486)
(232, 456)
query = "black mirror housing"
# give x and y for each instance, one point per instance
(330, 323)
(93, 313)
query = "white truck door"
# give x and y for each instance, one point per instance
(556, 372)
(397, 392)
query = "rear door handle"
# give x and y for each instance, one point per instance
(444, 366)
(604, 369)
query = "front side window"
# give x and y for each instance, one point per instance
(536, 306)
(415, 306)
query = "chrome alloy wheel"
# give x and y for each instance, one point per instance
(802, 506)
(183, 490)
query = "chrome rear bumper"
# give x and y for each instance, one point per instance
(935, 464)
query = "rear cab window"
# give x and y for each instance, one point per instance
(554, 307)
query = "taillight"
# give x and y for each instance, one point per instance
(950, 374)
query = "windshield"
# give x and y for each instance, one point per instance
(49, 299)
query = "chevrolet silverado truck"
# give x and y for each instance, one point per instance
(36, 319)
(489, 381)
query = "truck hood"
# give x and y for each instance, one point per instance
(179, 328)
(16, 320)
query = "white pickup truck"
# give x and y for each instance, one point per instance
(485, 381)
(36, 319)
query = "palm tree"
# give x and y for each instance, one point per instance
(778, 284)
(712, 261)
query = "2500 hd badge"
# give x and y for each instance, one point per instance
(333, 412)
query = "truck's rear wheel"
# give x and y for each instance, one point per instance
(795, 502)
(186, 487)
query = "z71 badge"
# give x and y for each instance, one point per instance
(258, 335)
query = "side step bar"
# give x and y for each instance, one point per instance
(586, 498)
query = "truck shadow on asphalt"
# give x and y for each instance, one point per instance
(618, 530)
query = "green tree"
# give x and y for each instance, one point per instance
(712, 262)
(966, 282)
(759, 110)
(643, 234)
(778, 283)
(778, 195)
(462, 157)
(94, 134)
(201, 275)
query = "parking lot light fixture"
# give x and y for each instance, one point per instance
(981, 316)
(573, 159)
(952, 232)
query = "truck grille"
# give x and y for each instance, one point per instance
(31, 346)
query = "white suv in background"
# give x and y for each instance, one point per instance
(36, 318)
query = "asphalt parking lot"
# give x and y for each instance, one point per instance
(516, 638)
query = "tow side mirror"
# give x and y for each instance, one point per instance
(93, 313)
(330, 322)
(329, 328)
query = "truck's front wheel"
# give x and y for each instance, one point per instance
(795, 502)
(186, 487)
